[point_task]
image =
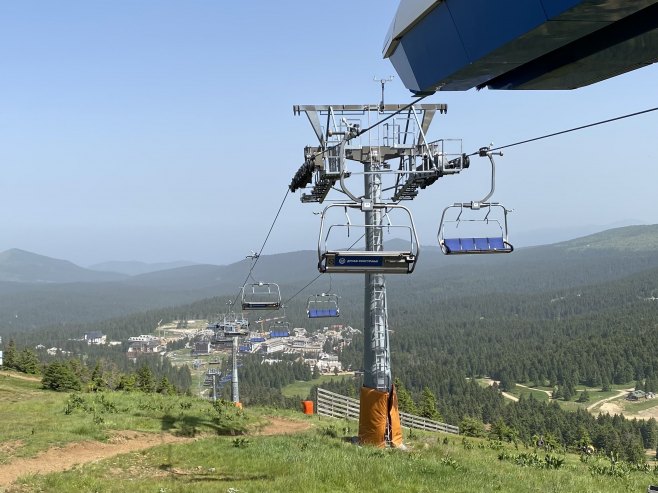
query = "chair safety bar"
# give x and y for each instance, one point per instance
(323, 306)
(475, 244)
(261, 296)
(365, 261)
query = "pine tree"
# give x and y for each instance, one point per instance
(405, 401)
(506, 383)
(567, 392)
(28, 362)
(10, 355)
(164, 387)
(59, 376)
(500, 431)
(97, 382)
(80, 370)
(471, 427)
(127, 383)
(583, 397)
(557, 392)
(145, 381)
(427, 407)
(649, 433)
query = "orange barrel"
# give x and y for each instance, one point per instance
(307, 407)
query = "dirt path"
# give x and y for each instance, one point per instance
(607, 407)
(507, 395)
(63, 458)
(614, 408)
(20, 376)
(281, 426)
(510, 396)
(547, 392)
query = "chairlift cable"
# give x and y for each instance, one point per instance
(601, 122)
(361, 132)
(374, 125)
(319, 275)
(257, 256)
(302, 289)
(379, 122)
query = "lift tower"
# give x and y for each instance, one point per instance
(389, 141)
(233, 327)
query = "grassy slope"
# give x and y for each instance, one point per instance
(316, 460)
(301, 389)
(313, 461)
(34, 420)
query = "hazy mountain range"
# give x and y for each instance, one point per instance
(135, 268)
(36, 290)
(21, 266)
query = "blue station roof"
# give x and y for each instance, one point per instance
(455, 45)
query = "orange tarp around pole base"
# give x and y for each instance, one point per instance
(394, 419)
(373, 410)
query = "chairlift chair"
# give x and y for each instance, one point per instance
(232, 329)
(494, 240)
(261, 296)
(480, 215)
(280, 329)
(322, 306)
(355, 261)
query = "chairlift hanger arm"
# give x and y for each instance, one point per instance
(341, 161)
(486, 151)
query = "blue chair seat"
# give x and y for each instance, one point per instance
(481, 244)
(452, 245)
(497, 244)
(325, 312)
(476, 245)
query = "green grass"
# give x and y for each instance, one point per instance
(302, 389)
(34, 420)
(633, 407)
(314, 461)
(321, 459)
(526, 392)
(595, 393)
(482, 382)
(572, 405)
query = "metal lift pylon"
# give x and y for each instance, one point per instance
(377, 380)
(324, 169)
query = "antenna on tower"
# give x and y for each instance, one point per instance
(383, 83)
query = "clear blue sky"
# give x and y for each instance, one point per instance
(162, 130)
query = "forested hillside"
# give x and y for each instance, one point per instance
(577, 313)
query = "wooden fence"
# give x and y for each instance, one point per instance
(338, 406)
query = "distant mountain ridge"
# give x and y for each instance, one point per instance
(135, 268)
(37, 291)
(627, 238)
(21, 266)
